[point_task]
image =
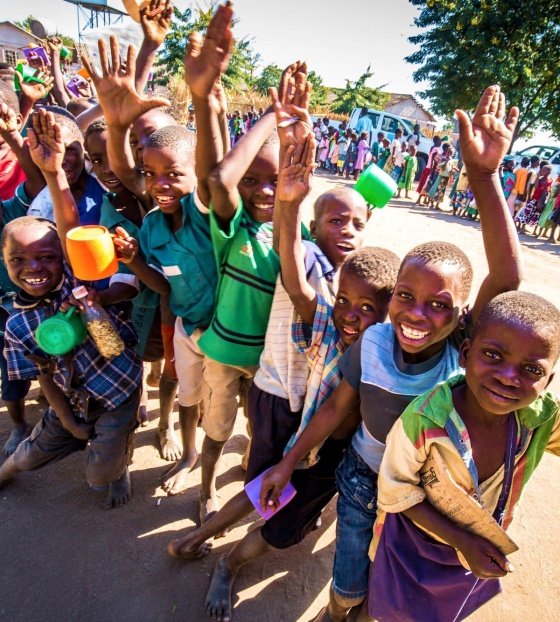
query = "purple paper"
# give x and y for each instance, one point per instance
(38, 52)
(73, 84)
(253, 490)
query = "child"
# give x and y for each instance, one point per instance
(342, 143)
(436, 193)
(399, 161)
(351, 156)
(86, 190)
(392, 363)
(363, 149)
(428, 170)
(473, 420)
(408, 173)
(517, 196)
(545, 223)
(377, 147)
(91, 398)
(335, 150)
(176, 240)
(384, 154)
(13, 392)
(529, 214)
(508, 177)
(461, 199)
(555, 217)
(366, 281)
(323, 150)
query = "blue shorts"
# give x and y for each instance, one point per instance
(356, 511)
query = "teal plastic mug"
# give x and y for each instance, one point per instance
(376, 186)
(61, 333)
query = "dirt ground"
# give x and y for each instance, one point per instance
(66, 558)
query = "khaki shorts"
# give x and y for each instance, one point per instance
(222, 385)
(189, 363)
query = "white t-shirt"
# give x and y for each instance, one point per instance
(395, 148)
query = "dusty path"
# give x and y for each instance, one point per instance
(65, 558)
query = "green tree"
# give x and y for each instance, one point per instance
(320, 92)
(170, 59)
(357, 94)
(270, 76)
(471, 44)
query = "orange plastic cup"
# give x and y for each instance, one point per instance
(91, 252)
(84, 73)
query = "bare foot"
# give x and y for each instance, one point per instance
(175, 480)
(16, 437)
(184, 548)
(143, 418)
(120, 491)
(169, 445)
(218, 598)
(152, 380)
(207, 509)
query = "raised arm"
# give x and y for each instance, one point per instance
(54, 45)
(484, 142)
(205, 62)
(31, 93)
(47, 150)
(121, 106)
(293, 186)
(154, 19)
(9, 130)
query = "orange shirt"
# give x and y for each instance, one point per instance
(521, 179)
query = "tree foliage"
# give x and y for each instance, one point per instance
(270, 76)
(170, 60)
(470, 44)
(357, 94)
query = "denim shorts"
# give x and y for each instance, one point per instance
(356, 511)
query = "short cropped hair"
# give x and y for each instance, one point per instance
(431, 253)
(526, 310)
(65, 119)
(377, 266)
(344, 194)
(174, 137)
(9, 97)
(96, 127)
(25, 222)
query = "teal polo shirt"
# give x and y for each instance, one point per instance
(11, 209)
(186, 258)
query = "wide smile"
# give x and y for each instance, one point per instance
(264, 207)
(112, 182)
(164, 200)
(35, 281)
(413, 334)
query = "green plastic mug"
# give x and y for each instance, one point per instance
(376, 186)
(61, 333)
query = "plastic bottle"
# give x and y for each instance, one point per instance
(99, 326)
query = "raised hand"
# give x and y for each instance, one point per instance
(294, 181)
(54, 44)
(291, 104)
(8, 119)
(155, 19)
(206, 61)
(486, 138)
(34, 91)
(45, 142)
(119, 100)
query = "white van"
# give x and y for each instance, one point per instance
(387, 123)
(550, 153)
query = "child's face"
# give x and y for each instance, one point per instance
(73, 162)
(425, 308)
(357, 306)
(507, 366)
(33, 258)
(545, 172)
(143, 128)
(169, 177)
(96, 146)
(340, 228)
(258, 186)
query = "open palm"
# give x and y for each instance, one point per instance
(115, 87)
(295, 178)
(45, 142)
(206, 61)
(486, 138)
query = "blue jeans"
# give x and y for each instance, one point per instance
(356, 510)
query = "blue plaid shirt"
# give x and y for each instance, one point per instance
(109, 381)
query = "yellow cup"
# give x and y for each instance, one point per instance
(91, 252)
